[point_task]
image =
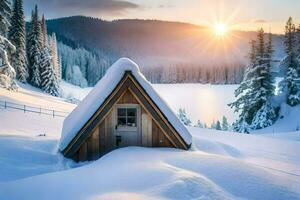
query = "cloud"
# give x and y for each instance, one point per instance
(58, 8)
(259, 21)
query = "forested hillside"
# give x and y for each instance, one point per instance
(161, 48)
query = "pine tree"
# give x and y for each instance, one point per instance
(269, 80)
(34, 49)
(242, 103)
(218, 126)
(17, 37)
(44, 32)
(49, 81)
(183, 117)
(290, 85)
(256, 90)
(262, 88)
(5, 13)
(225, 126)
(7, 72)
(55, 59)
(199, 124)
(265, 116)
(297, 48)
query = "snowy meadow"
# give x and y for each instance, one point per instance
(220, 165)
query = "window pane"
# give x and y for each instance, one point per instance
(131, 112)
(131, 121)
(122, 112)
(121, 121)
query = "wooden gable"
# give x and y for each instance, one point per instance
(94, 139)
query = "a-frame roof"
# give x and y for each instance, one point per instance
(78, 118)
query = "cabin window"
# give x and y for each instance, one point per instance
(127, 117)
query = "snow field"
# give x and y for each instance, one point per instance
(220, 165)
(211, 170)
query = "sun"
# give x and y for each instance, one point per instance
(220, 29)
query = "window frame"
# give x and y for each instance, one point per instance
(125, 127)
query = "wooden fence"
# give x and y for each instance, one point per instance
(32, 109)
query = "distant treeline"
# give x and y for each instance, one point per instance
(184, 73)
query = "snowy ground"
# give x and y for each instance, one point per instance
(14, 122)
(220, 165)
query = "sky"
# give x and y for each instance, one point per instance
(236, 14)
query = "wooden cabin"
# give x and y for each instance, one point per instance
(122, 110)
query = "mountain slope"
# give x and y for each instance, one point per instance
(154, 43)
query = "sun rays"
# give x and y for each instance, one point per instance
(220, 29)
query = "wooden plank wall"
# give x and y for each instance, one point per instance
(109, 133)
(158, 137)
(102, 139)
(128, 98)
(146, 129)
(99, 143)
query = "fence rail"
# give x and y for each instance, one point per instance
(32, 109)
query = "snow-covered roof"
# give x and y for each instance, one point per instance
(90, 104)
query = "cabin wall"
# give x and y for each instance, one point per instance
(158, 137)
(146, 129)
(102, 139)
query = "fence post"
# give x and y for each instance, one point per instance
(24, 108)
(4, 104)
(53, 114)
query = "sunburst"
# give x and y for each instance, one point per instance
(220, 29)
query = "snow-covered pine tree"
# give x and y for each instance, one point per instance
(225, 126)
(264, 117)
(34, 49)
(54, 54)
(290, 85)
(256, 94)
(218, 126)
(49, 81)
(44, 31)
(265, 88)
(269, 79)
(298, 40)
(262, 88)
(17, 37)
(183, 117)
(7, 72)
(242, 104)
(199, 124)
(5, 13)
